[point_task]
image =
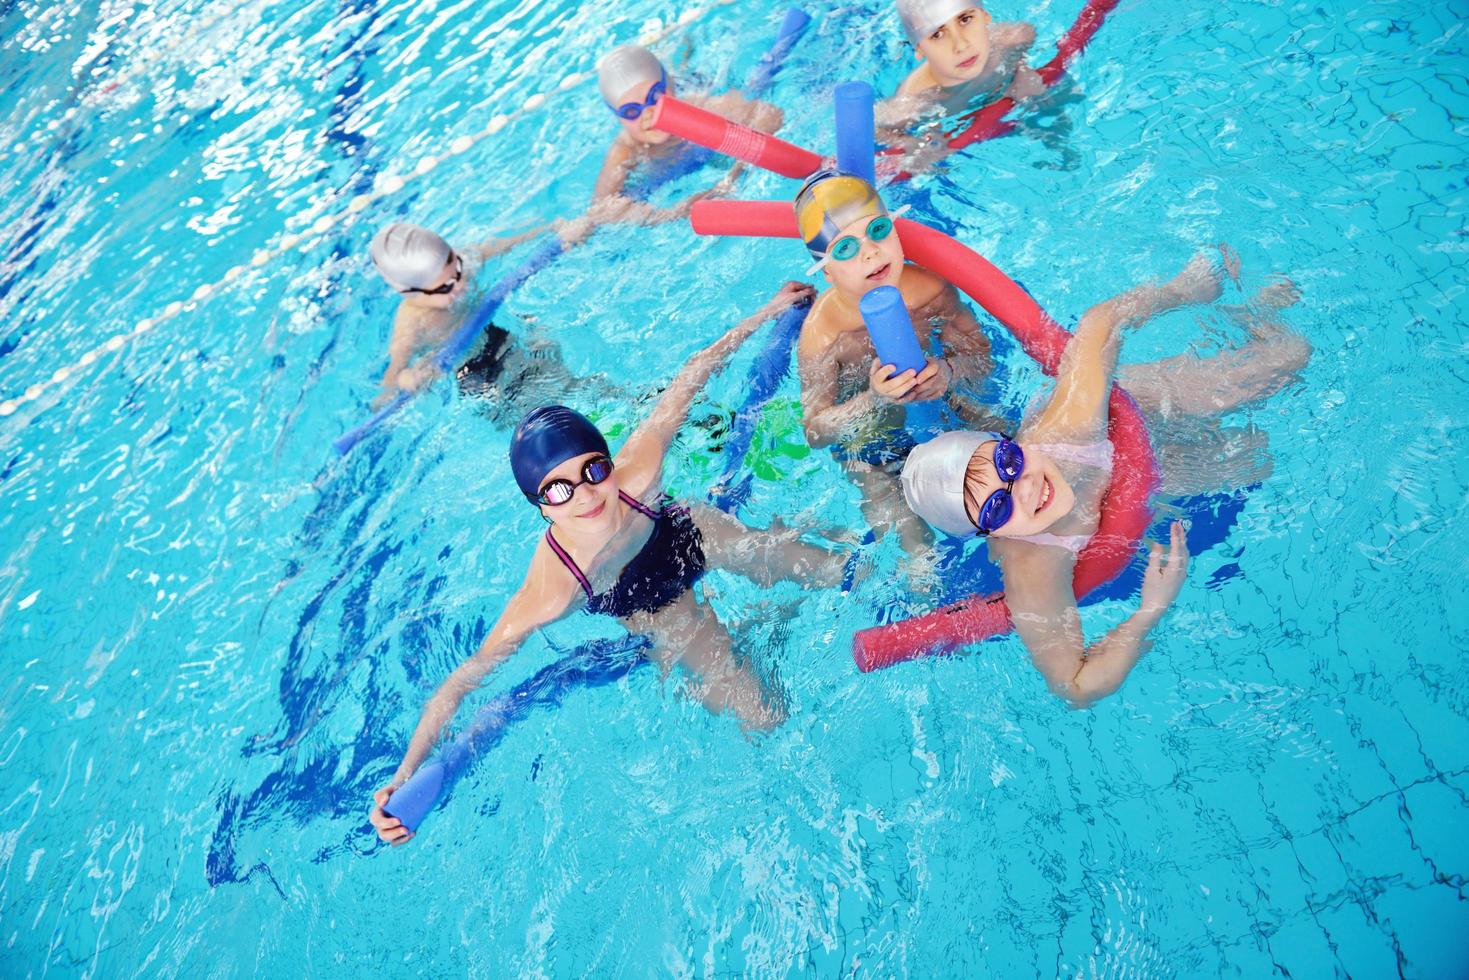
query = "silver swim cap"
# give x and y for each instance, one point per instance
(933, 479)
(625, 66)
(922, 17)
(410, 257)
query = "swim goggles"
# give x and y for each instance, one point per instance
(558, 492)
(847, 247)
(632, 110)
(1000, 505)
(447, 287)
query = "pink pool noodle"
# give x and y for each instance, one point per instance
(712, 131)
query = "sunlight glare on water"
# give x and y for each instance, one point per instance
(217, 636)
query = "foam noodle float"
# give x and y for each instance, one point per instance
(549, 247)
(766, 373)
(594, 665)
(989, 122)
(854, 130)
(1125, 511)
(711, 130)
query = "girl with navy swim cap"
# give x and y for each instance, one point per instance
(616, 545)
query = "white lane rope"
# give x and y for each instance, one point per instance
(386, 185)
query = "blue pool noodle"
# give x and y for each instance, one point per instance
(550, 246)
(856, 141)
(766, 374)
(593, 665)
(599, 662)
(891, 328)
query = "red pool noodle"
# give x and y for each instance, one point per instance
(1125, 511)
(746, 219)
(989, 122)
(714, 132)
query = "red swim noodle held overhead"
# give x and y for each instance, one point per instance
(1125, 510)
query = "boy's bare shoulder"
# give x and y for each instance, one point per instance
(1013, 34)
(919, 84)
(921, 287)
(821, 328)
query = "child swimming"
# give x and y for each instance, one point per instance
(1036, 497)
(964, 57)
(617, 546)
(850, 400)
(436, 284)
(631, 81)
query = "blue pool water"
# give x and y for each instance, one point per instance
(217, 637)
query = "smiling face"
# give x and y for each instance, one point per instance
(876, 263)
(1041, 495)
(641, 130)
(590, 509)
(960, 49)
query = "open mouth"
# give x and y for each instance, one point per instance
(1047, 492)
(881, 273)
(595, 511)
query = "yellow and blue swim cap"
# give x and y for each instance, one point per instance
(828, 202)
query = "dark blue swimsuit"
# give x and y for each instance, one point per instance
(668, 565)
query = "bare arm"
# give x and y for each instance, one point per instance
(615, 167)
(537, 603)
(609, 202)
(966, 347)
(498, 246)
(823, 419)
(1078, 407)
(401, 348)
(647, 445)
(1038, 590)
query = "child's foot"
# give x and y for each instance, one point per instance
(1202, 280)
(1276, 296)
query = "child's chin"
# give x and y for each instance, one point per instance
(959, 74)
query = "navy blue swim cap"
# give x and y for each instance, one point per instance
(548, 437)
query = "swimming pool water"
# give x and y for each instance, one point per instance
(217, 637)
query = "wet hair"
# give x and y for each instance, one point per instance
(981, 470)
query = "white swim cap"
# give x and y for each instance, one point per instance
(410, 257)
(623, 67)
(933, 479)
(922, 17)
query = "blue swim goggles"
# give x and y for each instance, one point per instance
(999, 506)
(632, 110)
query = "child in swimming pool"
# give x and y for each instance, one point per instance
(616, 545)
(436, 283)
(964, 58)
(850, 400)
(631, 81)
(1037, 498)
